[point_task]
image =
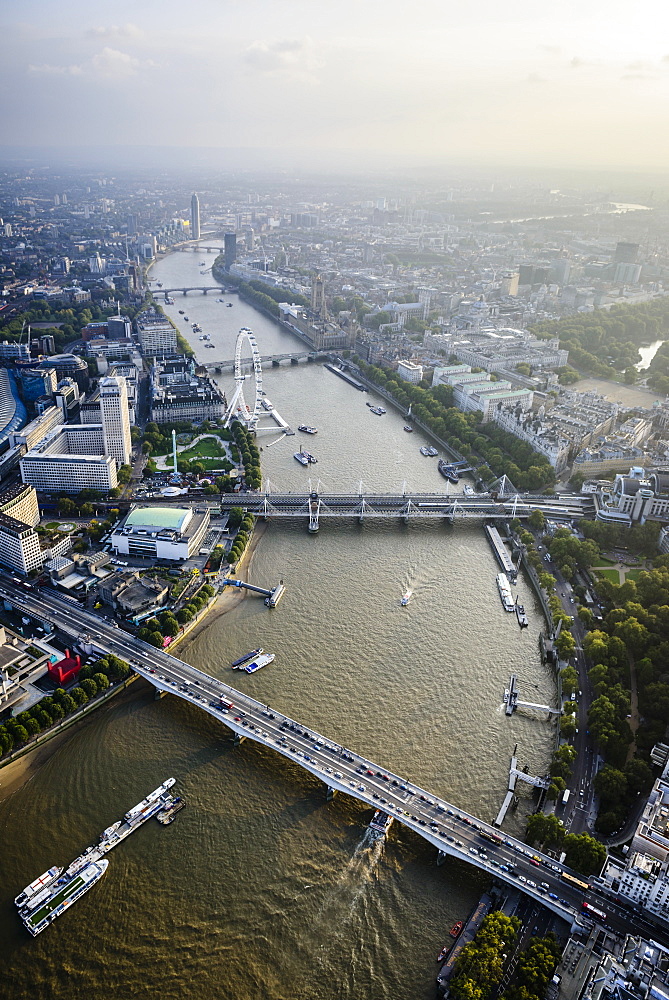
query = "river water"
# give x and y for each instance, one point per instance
(260, 888)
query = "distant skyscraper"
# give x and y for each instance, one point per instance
(195, 217)
(115, 418)
(230, 252)
(626, 253)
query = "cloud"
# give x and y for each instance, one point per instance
(535, 79)
(47, 70)
(294, 57)
(638, 76)
(577, 63)
(108, 64)
(115, 31)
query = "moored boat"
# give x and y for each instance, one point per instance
(504, 588)
(306, 429)
(40, 883)
(247, 656)
(456, 929)
(521, 615)
(448, 472)
(66, 891)
(259, 663)
(408, 429)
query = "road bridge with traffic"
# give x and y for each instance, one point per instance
(451, 830)
(274, 359)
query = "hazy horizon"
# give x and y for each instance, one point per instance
(579, 86)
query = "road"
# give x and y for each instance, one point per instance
(451, 830)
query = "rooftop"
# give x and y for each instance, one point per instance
(158, 517)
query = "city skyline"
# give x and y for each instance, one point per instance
(574, 86)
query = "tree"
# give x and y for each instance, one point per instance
(90, 686)
(101, 680)
(66, 507)
(544, 829)
(156, 639)
(79, 695)
(583, 853)
(639, 776)
(184, 616)
(611, 785)
(537, 520)
(565, 644)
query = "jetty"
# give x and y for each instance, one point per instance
(272, 596)
(501, 552)
(346, 377)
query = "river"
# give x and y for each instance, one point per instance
(260, 887)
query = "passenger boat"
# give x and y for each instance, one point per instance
(37, 886)
(301, 457)
(378, 410)
(67, 891)
(448, 472)
(505, 592)
(521, 615)
(456, 929)
(406, 598)
(380, 822)
(408, 429)
(247, 656)
(259, 663)
(306, 429)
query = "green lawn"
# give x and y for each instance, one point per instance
(204, 449)
(633, 574)
(609, 574)
(603, 561)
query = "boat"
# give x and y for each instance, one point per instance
(504, 588)
(266, 405)
(468, 491)
(305, 457)
(186, 318)
(66, 891)
(167, 815)
(456, 929)
(408, 429)
(160, 284)
(247, 656)
(181, 312)
(40, 883)
(213, 346)
(425, 451)
(443, 953)
(259, 663)
(521, 615)
(306, 429)
(378, 410)
(206, 336)
(380, 822)
(229, 305)
(109, 832)
(203, 263)
(406, 598)
(448, 472)
(137, 811)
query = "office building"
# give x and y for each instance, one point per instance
(195, 217)
(12, 410)
(230, 250)
(70, 459)
(626, 253)
(174, 533)
(408, 371)
(34, 383)
(19, 545)
(115, 418)
(20, 502)
(68, 366)
(157, 336)
(37, 429)
(9, 351)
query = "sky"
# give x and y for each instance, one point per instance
(580, 83)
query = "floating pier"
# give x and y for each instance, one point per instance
(272, 596)
(501, 553)
(346, 377)
(512, 700)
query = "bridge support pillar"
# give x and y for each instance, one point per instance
(158, 693)
(405, 518)
(441, 857)
(238, 740)
(330, 793)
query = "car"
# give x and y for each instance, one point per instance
(337, 774)
(352, 784)
(375, 795)
(552, 895)
(422, 822)
(450, 812)
(530, 882)
(449, 838)
(521, 878)
(458, 843)
(151, 670)
(328, 770)
(237, 719)
(472, 850)
(361, 788)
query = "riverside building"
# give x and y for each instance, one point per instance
(157, 336)
(69, 459)
(171, 533)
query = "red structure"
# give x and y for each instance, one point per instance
(66, 669)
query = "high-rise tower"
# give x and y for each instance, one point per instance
(230, 240)
(318, 306)
(115, 418)
(195, 217)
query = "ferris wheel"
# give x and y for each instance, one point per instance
(239, 407)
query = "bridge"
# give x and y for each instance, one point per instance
(274, 359)
(452, 831)
(205, 289)
(314, 506)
